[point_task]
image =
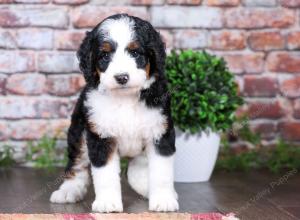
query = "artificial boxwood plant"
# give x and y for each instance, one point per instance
(204, 93)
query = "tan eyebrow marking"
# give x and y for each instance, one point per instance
(147, 69)
(98, 72)
(106, 47)
(133, 45)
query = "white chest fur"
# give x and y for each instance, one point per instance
(126, 119)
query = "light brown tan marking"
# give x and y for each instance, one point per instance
(71, 173)
(98, 72)
(166, 124)
(93, 127)
(147, 70)
(112, 145)
(106, 47)
(133, 45)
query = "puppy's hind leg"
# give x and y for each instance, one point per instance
(138, 175)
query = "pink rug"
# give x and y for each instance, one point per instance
(121, 216)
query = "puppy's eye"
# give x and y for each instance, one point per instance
(105, 56)
(134, 54)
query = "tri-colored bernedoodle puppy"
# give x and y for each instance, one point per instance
(123, 111)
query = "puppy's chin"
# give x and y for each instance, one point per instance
(125, 91)
(121, 91)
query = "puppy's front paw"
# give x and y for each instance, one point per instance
(70, 195)
(165, 201)
(108, 203)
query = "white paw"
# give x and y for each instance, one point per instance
(109, 203)
(163, 202)
(70, 195)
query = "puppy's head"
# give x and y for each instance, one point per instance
(122, 54)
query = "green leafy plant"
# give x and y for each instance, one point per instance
(44, 153)
(236, 162)
(246, 134)
(204, 93)
(6, 158)
(282, 156)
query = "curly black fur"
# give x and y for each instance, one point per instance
(152, 43)
(75, 133)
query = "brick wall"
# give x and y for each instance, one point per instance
(39, 77)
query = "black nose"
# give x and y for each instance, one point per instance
(122, 78)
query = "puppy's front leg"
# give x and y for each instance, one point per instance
(106, 174)
(162, 195)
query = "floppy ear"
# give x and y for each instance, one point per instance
(157, 53)
(84, 54)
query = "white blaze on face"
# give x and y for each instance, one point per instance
(121, 32)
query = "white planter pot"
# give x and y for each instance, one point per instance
(195, 156)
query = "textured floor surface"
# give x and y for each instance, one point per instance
(118, 216)
(253, 195)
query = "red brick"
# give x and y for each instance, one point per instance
(53, 108)
(284, 62)
(190, 38)
(28, 129)
(49, 62)
(245, 63)
(186, 17)
(265, 129)
(146, 2)
(8, 64)
(259, 18)
(291, 87)
(14, 108)
(293, 40)
(260, 86)
(31, 107)
(6, 1)
(67, 40)
(81, 16)
(223, 2)
(2, 83)
(296, 109)
(241, 111)
(65, 85)
(167, 38)
(290, 3)
(184, 2)
(10, 18)
(70, 2)
(26, 84)
(7, 39)
(266, 41)
(36, 129)
(4, 131)
(6, 61)
(26, 61)
(227, 40)
(290, 130)
(40, 17)
(35, 38)
(270, 110)
(59, 128)
(258, 3)
(33, 1)
(109, 2)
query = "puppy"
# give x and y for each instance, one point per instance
(123, 111)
